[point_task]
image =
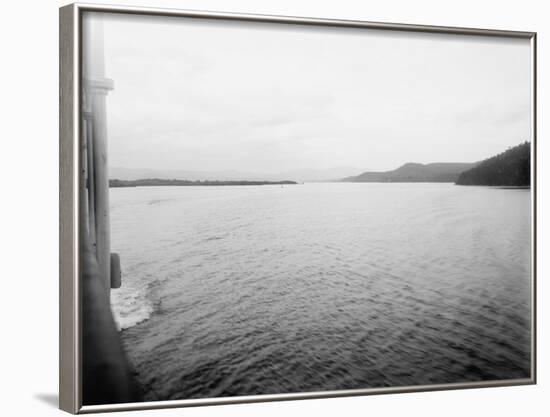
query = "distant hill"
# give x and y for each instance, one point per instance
(509, 168)
(300, 175)
(413, 172)
(157, 182)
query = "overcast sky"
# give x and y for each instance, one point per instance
(210, 95)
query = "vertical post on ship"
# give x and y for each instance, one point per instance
(96, 87)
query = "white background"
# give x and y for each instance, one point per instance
(29, 209)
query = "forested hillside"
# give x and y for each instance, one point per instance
(509, 168)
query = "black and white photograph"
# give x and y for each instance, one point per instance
(273, 208)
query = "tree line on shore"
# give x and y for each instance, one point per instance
(509, 168)
(156, 182)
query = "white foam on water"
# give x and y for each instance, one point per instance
(130, 308)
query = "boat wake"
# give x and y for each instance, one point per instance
(130, 307)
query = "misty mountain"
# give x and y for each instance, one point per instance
(509, 168)
(301, 175)
(414, 172)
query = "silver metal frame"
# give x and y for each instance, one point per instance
(70, 17)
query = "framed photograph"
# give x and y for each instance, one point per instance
(258, 208)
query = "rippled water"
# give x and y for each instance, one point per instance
(269, 289)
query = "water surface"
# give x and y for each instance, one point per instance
(267, 289)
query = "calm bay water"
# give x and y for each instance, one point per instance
(268, 289)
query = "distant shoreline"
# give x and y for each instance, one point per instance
(510, 168)
(158, 182)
